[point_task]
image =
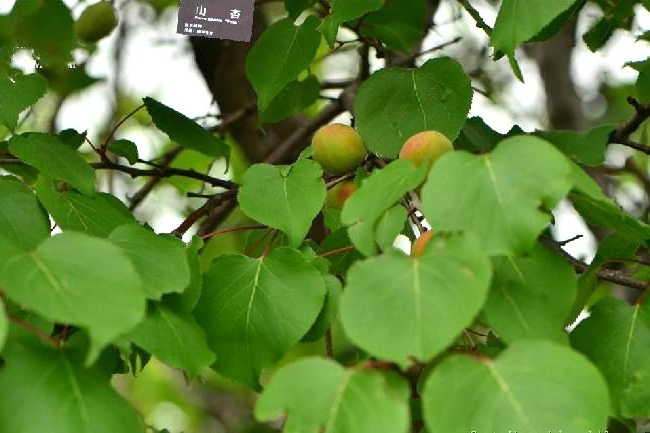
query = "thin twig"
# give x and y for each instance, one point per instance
(35, 331)
(164, 172)
(610, 275)
(336, 251)
(117, 126)
(232, 230)
(193, 217)
(622, 134)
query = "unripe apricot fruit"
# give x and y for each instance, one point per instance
(96, 22)
(420, 243)
(339, 194)
(338, 148)
(425, 147)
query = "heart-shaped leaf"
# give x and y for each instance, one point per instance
(284, 197)
(394, 104)
(534, 386)
(500, 196)
(320, 396)
(531, 296)
(391, 301)
(46, 390)
(76, 279)
(616, 337)
(254, 310)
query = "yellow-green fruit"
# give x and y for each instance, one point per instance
(96, 22)
(338, 148)
(420, 243)
(425, 147)
(339, 194)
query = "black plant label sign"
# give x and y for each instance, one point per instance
(223, 19)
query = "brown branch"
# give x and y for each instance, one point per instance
(204, 210)
(35, 331)
(336, 251)
(611, 275)
(164, 172)
(622, 134)
(232, 230)
(116, 127)
(143, 192)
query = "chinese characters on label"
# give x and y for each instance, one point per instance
(223, 19)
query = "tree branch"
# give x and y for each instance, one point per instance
(622, 134)
(611, 275)
(164, 172)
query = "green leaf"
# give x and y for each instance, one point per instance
(399, 25)
(377, 193)
(279, 56)
(18, 95)
(389, 225)
(175, 338)
(255, 310)
(598, 35)
(611, 247)
(498, 195)
(184, 131)
(159, 260)
(534, 386)
(48, 29)
(643, 82)
(616, 337)
(477, 137)
(76, 279)
(635, 401)
(98, 215)
(47, 390)
(583, 147)
(599, 210)
(4, 325)
(187, 300)
(72, 138)
(329, 311)
(124, 148)
(22, 219)
(318, 395)
(67, 80)
(287, 198)
(342, 11)
(531, 296)
(295, 7)
(605, 213)
(615, 15)
(394, 104)
(391, 301)
(339, 262)
(54, 159)
(294, 98)
(520, 20)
